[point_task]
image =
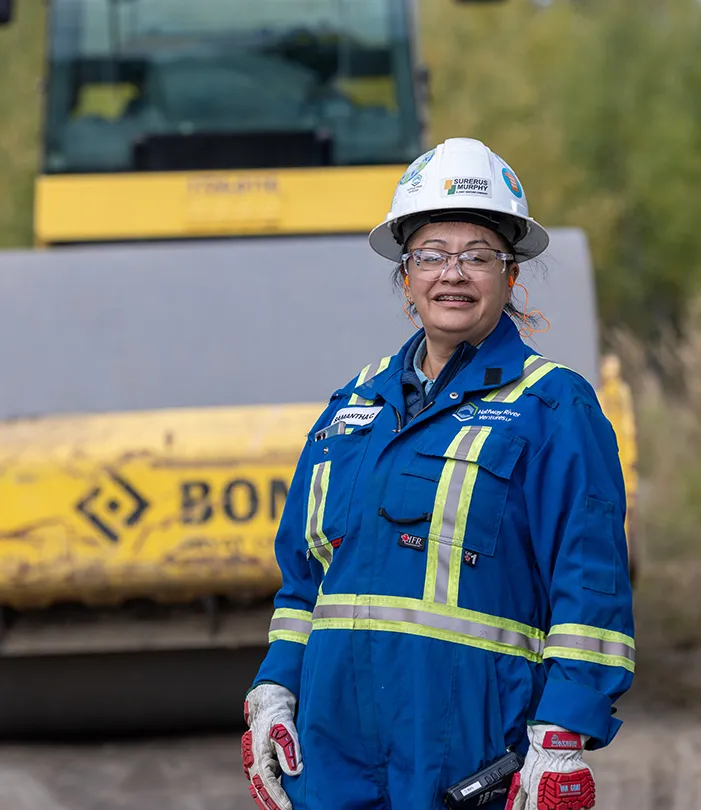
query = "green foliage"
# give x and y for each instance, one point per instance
(668, 593)
(21, 50)
(597, 106)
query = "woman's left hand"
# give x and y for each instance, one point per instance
(554, 775)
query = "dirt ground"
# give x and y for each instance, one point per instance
(654, 764)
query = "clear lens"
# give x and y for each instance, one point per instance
(433, 263)
(429, 259)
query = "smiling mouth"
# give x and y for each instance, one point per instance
(466, 299)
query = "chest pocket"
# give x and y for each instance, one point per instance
(335, 463)
(465, 504)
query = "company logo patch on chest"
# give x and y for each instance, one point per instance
(412, 541)
(466, 413)
(360, 415)
(471, 411)
(498, 415)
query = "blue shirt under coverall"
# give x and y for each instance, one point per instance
(449, 574)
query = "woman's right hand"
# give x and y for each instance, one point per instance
(270, 744)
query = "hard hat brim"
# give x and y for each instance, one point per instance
(535, 242)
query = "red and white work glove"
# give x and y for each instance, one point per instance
(271, 744)
(554, 775)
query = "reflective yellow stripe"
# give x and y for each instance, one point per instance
(355, 399)
(289, 624)
(288, 635)
(534, 369)
(499, 394)
(450, 511)
(292, 613)
(367, 374)
(530, 380)
(582, 642)
(316, 539)
(429, 619)
(592, 657)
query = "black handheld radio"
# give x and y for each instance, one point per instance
(485, 786)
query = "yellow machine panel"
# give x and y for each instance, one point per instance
(169, 505)
(616, 400)
(113, 207)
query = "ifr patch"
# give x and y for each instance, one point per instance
(412, 541)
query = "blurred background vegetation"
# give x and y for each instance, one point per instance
(21, 64)
(597, 104)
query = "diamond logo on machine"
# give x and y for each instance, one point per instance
(113, 506)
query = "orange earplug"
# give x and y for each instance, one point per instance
(512, 281)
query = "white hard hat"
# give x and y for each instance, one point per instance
(462, 180)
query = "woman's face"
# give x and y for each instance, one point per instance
(466, 308)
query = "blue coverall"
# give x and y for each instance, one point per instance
(449, 578)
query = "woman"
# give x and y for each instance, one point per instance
(453, 554)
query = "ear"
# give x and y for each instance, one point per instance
(513, 275)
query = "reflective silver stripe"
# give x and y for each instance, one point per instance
(365, 376)
(457, 479)
(295, 625)
(451, 508)
(440, 593)
(315, 537)
(373, 370)
(451, 624)
(450, 513)
(505, 391)
(317, 542)
(594, 645)
(462, 451)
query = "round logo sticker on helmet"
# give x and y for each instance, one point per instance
(512, 182)
(417, 167)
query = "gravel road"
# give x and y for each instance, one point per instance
(654, 764)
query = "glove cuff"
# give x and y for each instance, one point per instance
(267, 696)
(555, 738)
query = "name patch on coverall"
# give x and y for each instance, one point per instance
(362, 415)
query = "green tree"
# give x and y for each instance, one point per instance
(596, 104)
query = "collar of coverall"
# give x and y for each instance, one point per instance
(499, 361)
